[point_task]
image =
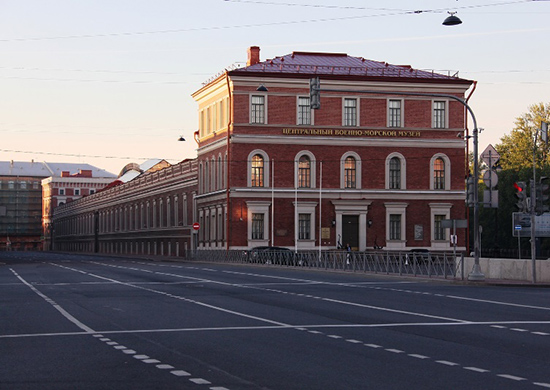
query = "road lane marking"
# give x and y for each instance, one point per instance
(447, 363)
(417, 356)
(63, 312)
(512, 377)
(89, 331)
(476, 369)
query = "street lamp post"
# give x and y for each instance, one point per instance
(315, 89)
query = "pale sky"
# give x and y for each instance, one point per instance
(108, 82)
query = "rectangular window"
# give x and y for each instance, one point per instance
(35, 185)
(77, 191)
(350, 112)
(11, 185)
(395, 226)
(394, 113)
(439, 115)
(304, 226)
(23, 185)
(439, 231)
(92, 191)
(257, 109)
(304, 111)
(62, 191)
(257, 226)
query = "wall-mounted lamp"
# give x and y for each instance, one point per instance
(369, 223)
(261, 88)
(333, 222)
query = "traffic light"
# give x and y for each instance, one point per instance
(470, 191)
(314, 93)
(521, 194)
(542, 196)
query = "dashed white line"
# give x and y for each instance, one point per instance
(200, 381)
(164, 366)
(541, 333)
(354, 341)
(414, 355)
(150, 361)
(476, 369)
(447, 363)
(141, 357)
(394, 350)
(547, 385)
(372, 345)
(519, 330)
(512, 377)
(180, 373)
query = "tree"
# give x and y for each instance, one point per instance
(516, 149)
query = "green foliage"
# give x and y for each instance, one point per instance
(516, 159)
(516, 148)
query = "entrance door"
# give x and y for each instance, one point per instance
(350, 231)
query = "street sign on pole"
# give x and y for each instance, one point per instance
(196, 226)
(490, 156)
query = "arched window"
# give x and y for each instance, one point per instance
(257, 171)
(439, 174)
(350, 172)
(395, 173)
(304, 172)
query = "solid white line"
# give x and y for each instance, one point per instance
(267, 327)
(177, 296)
(498, 303)
(55, 305)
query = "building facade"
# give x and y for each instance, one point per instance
(151, 214)
(369, 170)
(22, 210)
(65, 188)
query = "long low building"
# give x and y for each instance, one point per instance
(151, 214)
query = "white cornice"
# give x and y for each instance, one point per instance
(346, 141)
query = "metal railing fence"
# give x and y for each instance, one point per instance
(426, 264)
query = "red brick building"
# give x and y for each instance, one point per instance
(366, 169)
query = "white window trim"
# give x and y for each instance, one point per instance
(357, 170)
(439, 209)
(266, 168)
(313, 168)
(265, 122)
(403, 170)
(305, 208)
(311, 112)
(447, 162)
(358, 108)
(258, 207)
(396, 208)
(402, 109)
(446, 113)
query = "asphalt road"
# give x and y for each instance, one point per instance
(91, 322)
